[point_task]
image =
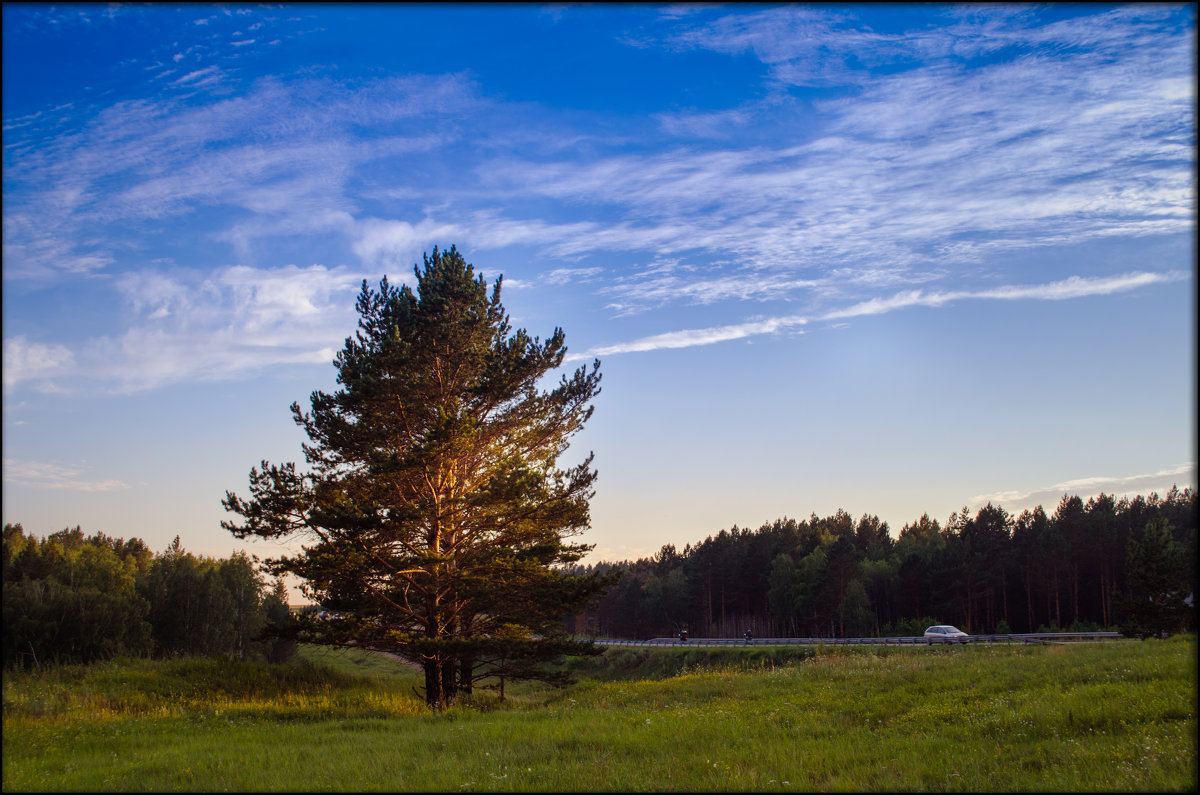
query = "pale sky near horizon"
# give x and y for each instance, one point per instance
(891, 259)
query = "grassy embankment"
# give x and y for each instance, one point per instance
(1113, 716)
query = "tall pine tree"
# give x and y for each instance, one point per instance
(434, 514)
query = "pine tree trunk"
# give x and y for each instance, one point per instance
(465, 671)
(1004, 595)
(1075, 588)
(1057, 602)
(433, 682)
(1029, 599)
(708, 598)
(449, 679)
(722, 606)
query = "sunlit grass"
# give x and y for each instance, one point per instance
(1118, 716)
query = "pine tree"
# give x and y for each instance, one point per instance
(1159, 583)
(435, 515)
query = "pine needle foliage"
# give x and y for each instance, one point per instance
(435, 519)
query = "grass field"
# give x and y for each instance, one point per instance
(1111, 716)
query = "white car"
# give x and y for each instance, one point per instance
(944, 633)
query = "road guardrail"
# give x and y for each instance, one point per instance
(916, 640)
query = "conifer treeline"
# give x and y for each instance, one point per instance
(71, 598)
(1127, 564)
(1106, 563)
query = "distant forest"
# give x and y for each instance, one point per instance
(71, 598)
(1104, 563)
(1126, 565)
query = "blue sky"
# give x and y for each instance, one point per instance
(885, 258)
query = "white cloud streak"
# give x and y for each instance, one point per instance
(823, 46)
(1089, 134)
(280, 155)
(34, 361)
(560, 276)
(51, 476)
(239, 320)
(1015, 500)
(1073, 287)
(690, 338)
(197, 327)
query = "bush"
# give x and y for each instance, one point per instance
(909, 627)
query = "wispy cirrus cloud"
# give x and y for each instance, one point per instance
(1073, 287)
(910, 188)
(200, 77)
(560, 276)
(673, 280)
(34, 361)
(196, 327)
(390, 243)
(192, 326)
(831, 46)
(52, 476)
(280, 156)
(691, 338)
(224, 324)
(927, 167)
(1087, 134)
(1015, 500)
(926, 170)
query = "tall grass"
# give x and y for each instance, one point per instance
(1116, 716)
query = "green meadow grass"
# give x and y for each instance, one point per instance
(1112, 716)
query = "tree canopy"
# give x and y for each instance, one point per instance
(435, 517)
(71, 598)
